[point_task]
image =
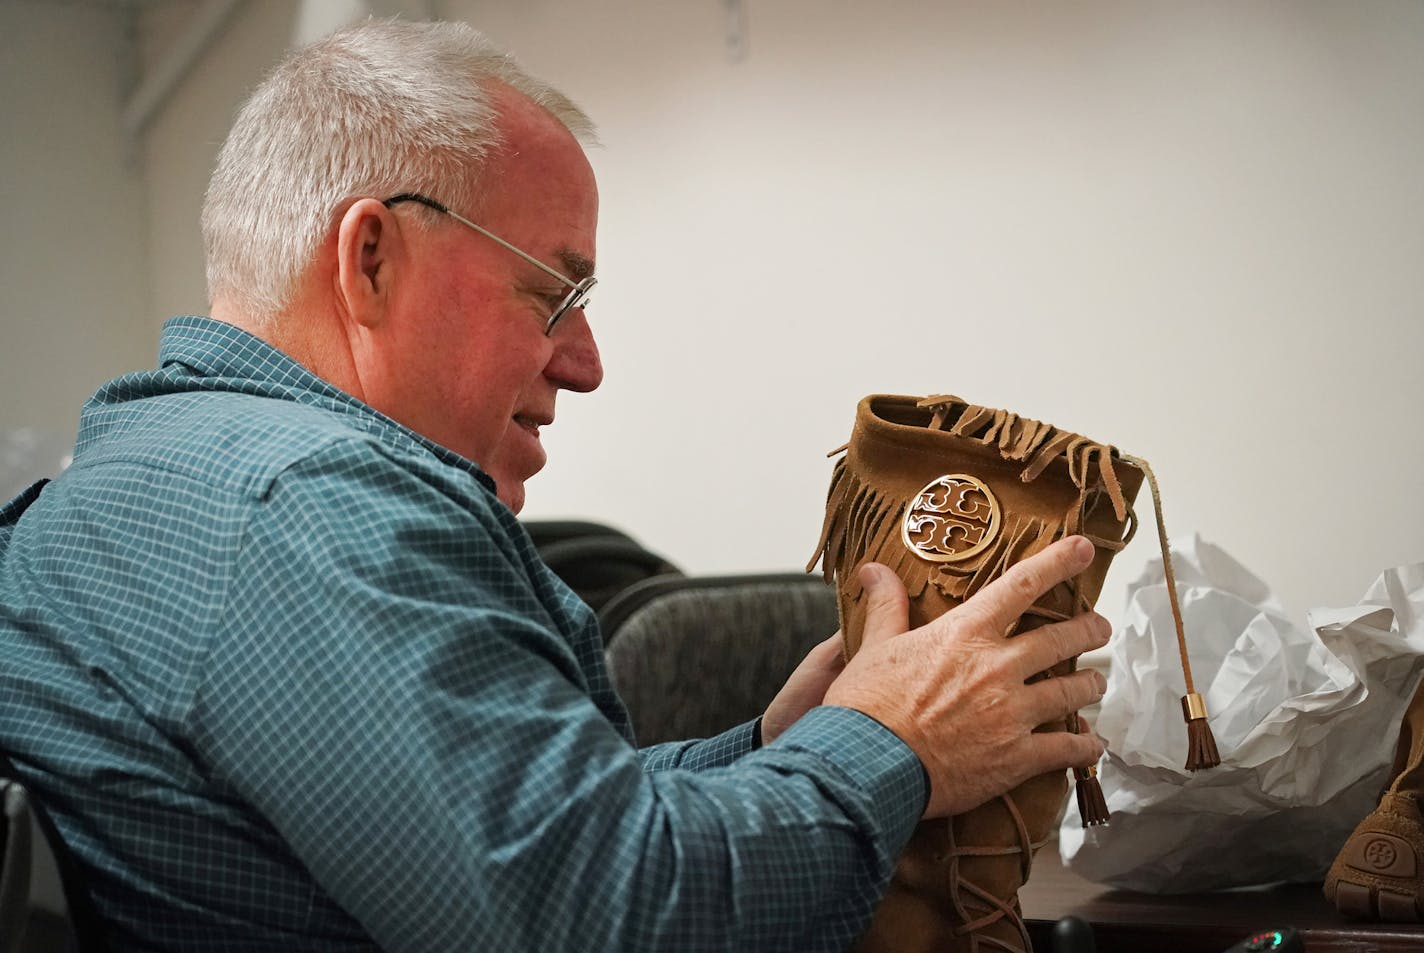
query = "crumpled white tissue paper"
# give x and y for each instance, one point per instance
(1306, 720)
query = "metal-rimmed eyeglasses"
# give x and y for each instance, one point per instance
(578, 290)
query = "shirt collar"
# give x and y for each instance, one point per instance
(216, 351)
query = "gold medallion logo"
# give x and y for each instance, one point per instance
(953, 518)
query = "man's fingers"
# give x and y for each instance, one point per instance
(1056, 750)
(1045, 647)
(1006, 598)
(828, 654)
(887, 607)
(1054, 699)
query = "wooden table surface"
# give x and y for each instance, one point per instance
(1126, 922)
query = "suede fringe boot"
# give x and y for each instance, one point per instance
(950, 495)
(1379, 873)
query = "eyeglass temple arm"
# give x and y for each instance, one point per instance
(431, 203)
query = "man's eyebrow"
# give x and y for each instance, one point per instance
(576, 266)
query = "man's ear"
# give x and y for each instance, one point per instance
(369, 250)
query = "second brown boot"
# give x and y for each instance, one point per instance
(1379, 873)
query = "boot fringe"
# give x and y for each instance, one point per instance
(863, 525)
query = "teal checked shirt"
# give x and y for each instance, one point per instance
(288, 676)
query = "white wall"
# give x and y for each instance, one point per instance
(1192, 230)
(182, 142)
(74, 246)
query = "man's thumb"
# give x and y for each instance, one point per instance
(887, 607)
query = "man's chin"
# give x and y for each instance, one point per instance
(511, 494)
(510, 470)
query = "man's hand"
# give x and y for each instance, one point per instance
(805, 688)
(954, 690)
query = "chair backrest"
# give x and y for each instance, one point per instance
(693, 656)
(15, 861)
(78, 928)
(594, 559)
(548, 532)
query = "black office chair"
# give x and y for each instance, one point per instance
(30, 836)
(692, 657)
(594, 559)
(15, 862)
(551, 532)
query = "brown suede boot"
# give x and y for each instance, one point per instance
(949, 495)
(1379, 873)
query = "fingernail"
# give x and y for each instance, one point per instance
(1083, 549)
(870, 575)
(1103, 628)
(1101, 681)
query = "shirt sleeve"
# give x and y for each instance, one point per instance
(389, 695)
(702, 753)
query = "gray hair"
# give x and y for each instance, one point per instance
(381, 108)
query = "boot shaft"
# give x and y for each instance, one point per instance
(1408, 771)
(949, 496)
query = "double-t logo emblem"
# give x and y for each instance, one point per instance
(953, 518)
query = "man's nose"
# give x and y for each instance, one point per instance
(575, 364)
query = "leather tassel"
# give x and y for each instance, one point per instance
(1201, 745)
(1092, 806)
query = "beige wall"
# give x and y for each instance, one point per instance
(182, 142)
(74, 246)
(1190, 229)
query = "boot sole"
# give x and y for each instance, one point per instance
(1362, 902)
(1389, 889)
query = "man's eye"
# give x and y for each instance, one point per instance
(552, 297)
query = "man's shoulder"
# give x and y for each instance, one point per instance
(238, 443)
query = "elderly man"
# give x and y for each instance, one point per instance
(288, 674)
